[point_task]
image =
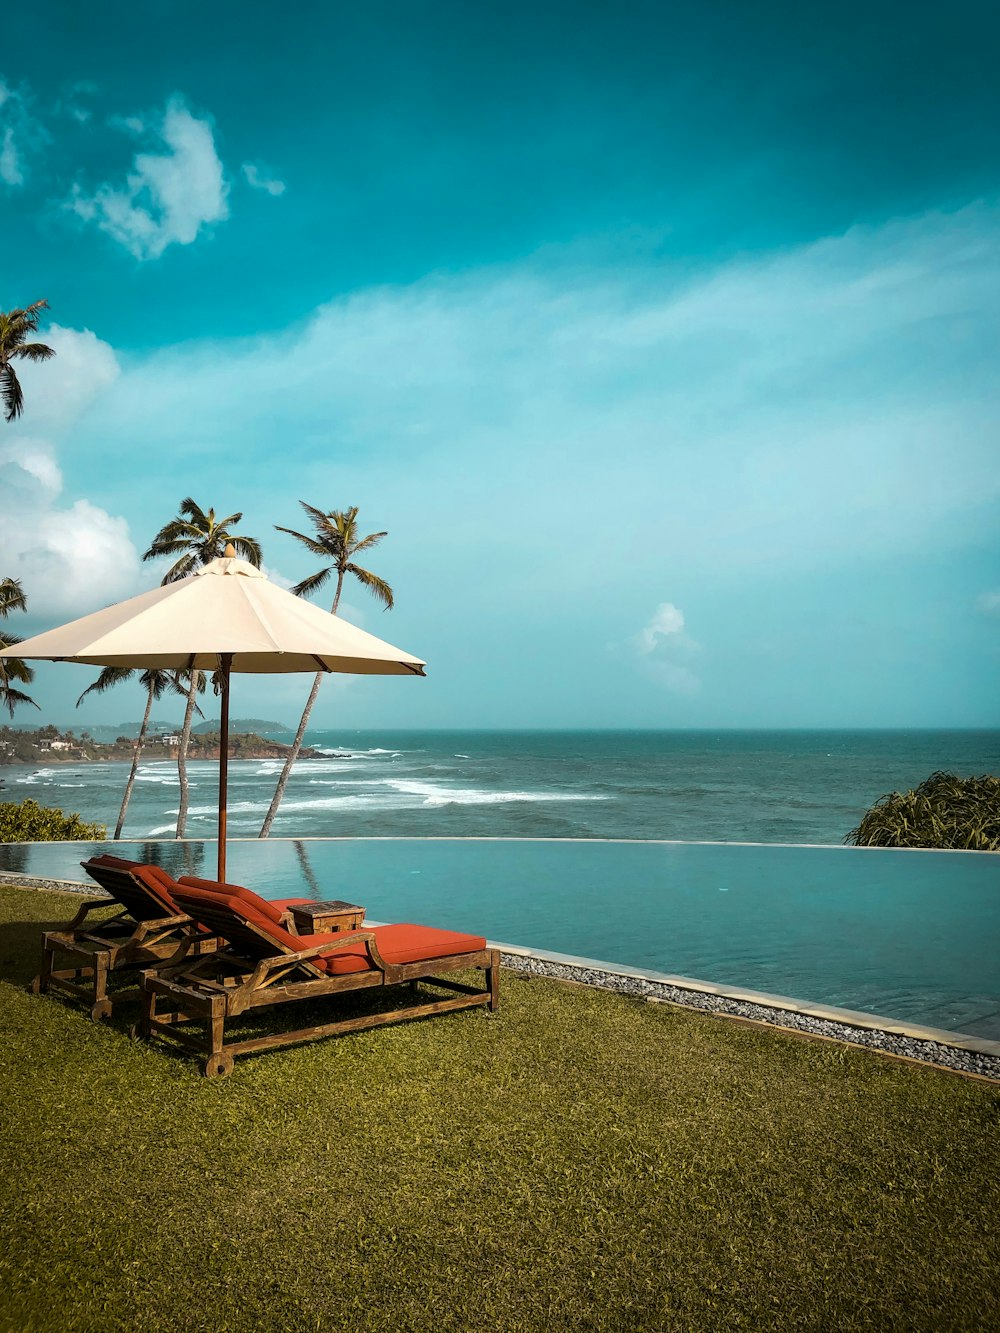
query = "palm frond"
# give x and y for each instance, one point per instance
(33, 351)
(15, 668)
(313, 583)
(186, 565)
(107, 680)
(366, 543)
(378, 588)
(310, 543)
(195, 513)
(10, 698)
(10, 389)
(12, 597)
(317, 515)
(249, 549)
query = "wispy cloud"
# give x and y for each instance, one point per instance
(20, 134)
(989, 602)
(775, 412)
(168, 197)
(261, 178)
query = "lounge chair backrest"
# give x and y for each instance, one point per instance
(252, 900)
(144, 891)
(252, 934)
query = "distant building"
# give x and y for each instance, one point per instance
(171, 739)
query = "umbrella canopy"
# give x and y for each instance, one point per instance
(227, 608)
(226, 617)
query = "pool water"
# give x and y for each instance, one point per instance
(911, 935)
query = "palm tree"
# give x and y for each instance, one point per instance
(12, 598)
(156, 684)
(336, 541)
(15, 325)
(195, 537)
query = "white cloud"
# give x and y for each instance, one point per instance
(58, 392)
(169, 196)
(666, 652)
(260, 178)
(71, 554)
(989, 602)
(666, 619)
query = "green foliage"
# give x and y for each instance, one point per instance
(945, 811)
(579, 1161)
(31, 822)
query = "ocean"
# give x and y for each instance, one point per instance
(726, 786)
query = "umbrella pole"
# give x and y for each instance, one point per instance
(226, 662)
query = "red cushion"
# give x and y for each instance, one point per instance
(242, 906)
(159, 884)
(272, 910)
(352, 959)
(106, 859)
(406, 943)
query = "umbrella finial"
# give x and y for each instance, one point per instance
(230, 553)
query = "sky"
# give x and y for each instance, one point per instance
(661, 338)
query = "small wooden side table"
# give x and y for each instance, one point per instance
(325, 918)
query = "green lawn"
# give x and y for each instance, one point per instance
(579, 1161)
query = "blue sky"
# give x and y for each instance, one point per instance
(662, 339)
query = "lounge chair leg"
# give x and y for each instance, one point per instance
(219, 1062)
(493, 981)
(102, 1005)
(40, 984)
(147, 1011)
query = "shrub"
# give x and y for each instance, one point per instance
(944, 811)
(31, 822)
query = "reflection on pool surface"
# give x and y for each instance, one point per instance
(905, 934)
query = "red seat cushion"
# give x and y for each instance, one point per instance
(406, 943)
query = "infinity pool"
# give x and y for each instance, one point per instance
(911, 935)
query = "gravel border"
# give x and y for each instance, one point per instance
(889, 1043)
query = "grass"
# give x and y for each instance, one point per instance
(578, 1161)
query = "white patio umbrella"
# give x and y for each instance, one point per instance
(226, 617)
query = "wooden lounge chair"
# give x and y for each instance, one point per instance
(150, 929)
(265, 965)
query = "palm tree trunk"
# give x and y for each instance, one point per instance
(182, 749)
(135, 762)
(293, 753)
(291, 757)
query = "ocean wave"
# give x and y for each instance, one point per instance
(433, 794)
(403, 794)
